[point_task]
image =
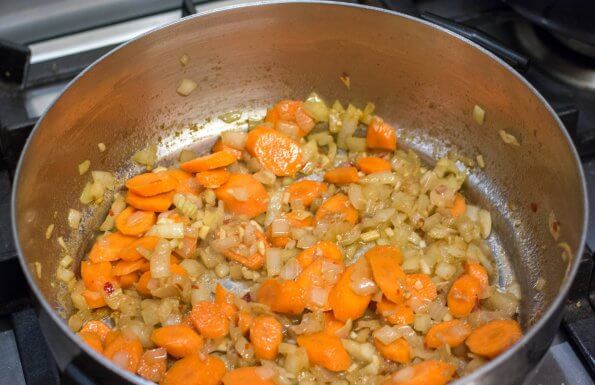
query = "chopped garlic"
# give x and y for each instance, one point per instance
(48, 231)
(101, 147)
(184, 59)
(84, 166)
(480, 161)
(479, 114)
(186, 87)
(508, 138)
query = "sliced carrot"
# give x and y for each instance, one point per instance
(266, 333)
(95, 275)
(186, 182)
(394, 314)
(451, 333)
(463, 296)
(476, 270)
(385, 262)
(128, 280)
(187, 247)
(127, 267)
(178, 340)
(254, 261)
(243, 195)
(251, 375)
(158, 203)
(177, 269)
(336, 209)
(129, 348)
(94, 299)
(245, 320)
(322, 250)
(226, 300)
(92, 340)
(304, 121)
(192, 370)
(346, 304)
(135, 222)
(326, 351)
(397, 351)
(130, 253)
(342, 175)
(459, 206)
(152, 183)
(275, 151)
(107, 247)
(153, 364)
(212, 178)
(210, 319)
(381, 136)
(219, 146)
(282, 297)
(295, 221)
(315, 286)
(421, 290)
(494, 337)
(97, 327)
(305, 191)
(209, 162)
(142, 283)
(331, 324)
(373, 164)
(430, 372)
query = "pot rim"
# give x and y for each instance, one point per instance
(476, 375)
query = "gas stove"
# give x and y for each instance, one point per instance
(42, 47)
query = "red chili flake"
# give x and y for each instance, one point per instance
(111, 213)
(108, 288)
(534, 207)
(247, 297)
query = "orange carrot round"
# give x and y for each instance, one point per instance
(275, 151)
(325, 350)
(142, 283)
(266, 333)
(305, 191)
(178, 340)
(212, 178)
(130, 252)
(209, 162)
(92, 340)
(336, 209)
(192, 370)
(381, 136)
(135, 222)
(243, 195)
(397, 351)
(107, 247)
(210, 319)
(151, 183)
(186, 182)
(477, 271)
(451, 333)
(346, 304)
(123, 348)
(97, 327)
(251, 375)
(394, 314)
(95, 275)
(94, 299)
(153, 364)
(158, 203)
(331, 324)
(282, 297)
(430, 372)
(493, 338)
(385, 262)
(342, 175)
(321, 250)
(463, 296)
(373, 164)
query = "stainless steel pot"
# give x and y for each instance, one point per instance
(423, 79)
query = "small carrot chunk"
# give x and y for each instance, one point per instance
(397, 351)
(476, 270)
(421, 290)
(245, 320)
(94, 299)
(385, 262)
(192, 370)
(243, 195)
(212, 178)
(186, 182)
(295, 221)
(128, 280)
(336, 209)
(209, 162)
(494, 337)
(153, 364)
(142, 283)
(127, 267)
(178, 340)
(107, 247)
(342, 175)
(373, 164)
(381, 136)
(226, 299)
(463, 296)
(305, 191)
(315, 286)
(135, 222)
(275, 151)
(346, 304)
(282, 297)
(325, 350)
(254, 261)
(124, 347)
(251, 375)
(331, 324)
(95, 275)
(130, 252)
(322, 250)
(304, 121)
(430, 372)
(266, 333)
(92, 340)
(459, 206)
(152, 183)
(394, 314)
(97, 327)
(451, 333)
(158, 203)
(210, 319)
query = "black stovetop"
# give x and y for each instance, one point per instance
(34, 70)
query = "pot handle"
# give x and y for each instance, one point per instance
(515, 59)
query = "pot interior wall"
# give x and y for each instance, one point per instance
(423, 80)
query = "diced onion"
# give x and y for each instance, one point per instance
(234, 139)
(478, 114)
(386, 334)
(84, 166)
(186, 86)
(264, 372)
(403, 375)
(273, 261)
(146, 157)
(319, 296)
(316, 108)
(64, 275)
(167, 230)
(364, 286)
(159, 262)
(280, 227)
(290, 270)
(508, 138)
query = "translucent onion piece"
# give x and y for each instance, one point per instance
(159, 262)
